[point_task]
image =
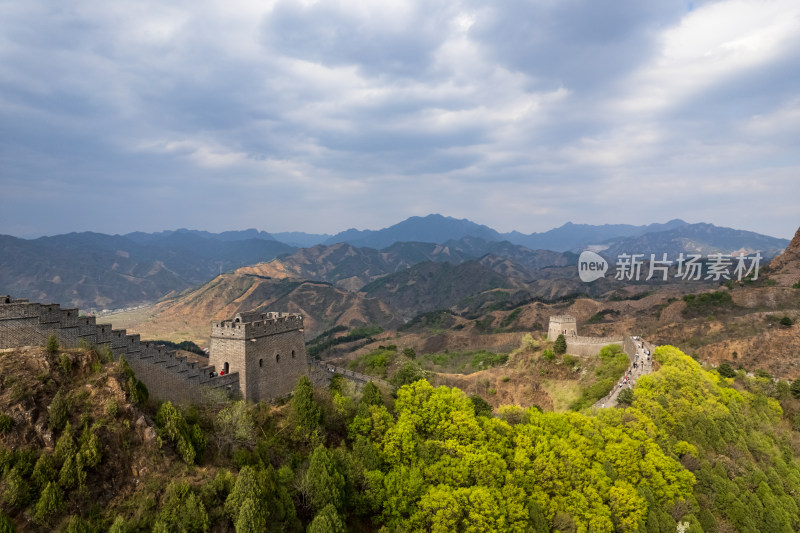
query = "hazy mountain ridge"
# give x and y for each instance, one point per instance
(93, 270)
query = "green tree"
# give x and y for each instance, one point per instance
(65, 446)
(50, 504)
(410, 353)
(60, 408)
(72, 474)
(725, 370)
(250, 520)
(76, 524)
(90, 448)
(306, 414)
(625, 397)
(560, 345)
(6, 525)
(327, 521)
(52, 344)
(481, 406)
(371, 395)
(44, 471)
(325, 483)
(174, 427)
(17, 492)
(795, 388)
(233, 426)
(182, 510)
(247, 487)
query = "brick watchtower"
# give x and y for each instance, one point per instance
(562, 325)
(266, 349)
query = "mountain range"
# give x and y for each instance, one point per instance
(96, 271)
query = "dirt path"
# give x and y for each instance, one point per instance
(644, 365)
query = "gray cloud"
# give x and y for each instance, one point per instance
(326, 115)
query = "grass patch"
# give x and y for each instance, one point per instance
(462, 362)
(562, 392)
(376, 362)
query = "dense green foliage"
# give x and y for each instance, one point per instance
(693, 449)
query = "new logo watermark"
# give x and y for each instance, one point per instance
(591, 266)
(691, 267)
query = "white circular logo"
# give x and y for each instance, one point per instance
(591, 266)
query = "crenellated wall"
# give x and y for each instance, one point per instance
(168, 376)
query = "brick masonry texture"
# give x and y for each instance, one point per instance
(262, 354)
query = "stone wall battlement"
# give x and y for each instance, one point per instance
(263, 325)
(167, 375)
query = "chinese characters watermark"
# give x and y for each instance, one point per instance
(690, 267)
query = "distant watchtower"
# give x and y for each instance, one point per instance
(266, 349)
(562, 325)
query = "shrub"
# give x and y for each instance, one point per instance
(481, 406)
(570, 360)
(59, 410)
(548, 354)
(625, 397)
(797, 285)
(410, 353)
(6, 423)
(795, 388)
(182, 510)
(17, 492)
(6, 525)
(786, 322)
(174, 427)
(560, 346)
(725, 370)
(52, 344)
(65, 363)
(112, 407)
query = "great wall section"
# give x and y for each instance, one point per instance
(166, 374)
(257, 356)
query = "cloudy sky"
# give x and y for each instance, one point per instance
(322, 115)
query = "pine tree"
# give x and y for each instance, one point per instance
(560, 345)
(327, 521)
(50, 503)
(306, 413)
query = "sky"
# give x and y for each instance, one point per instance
(320, 116)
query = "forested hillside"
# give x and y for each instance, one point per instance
(79, 452)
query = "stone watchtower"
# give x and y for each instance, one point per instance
(266, 349)
(562, 325)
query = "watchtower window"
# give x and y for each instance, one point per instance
(237, 320)
(226, 368)
(277, 357)
(292, 354)
(260, 363)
